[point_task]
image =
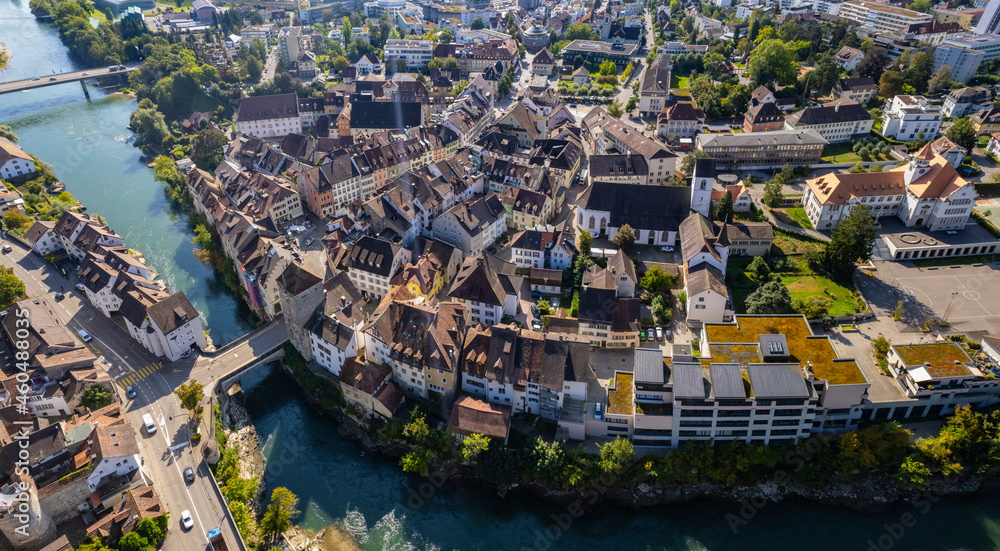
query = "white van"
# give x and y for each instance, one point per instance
(84, 335)
(147, 420)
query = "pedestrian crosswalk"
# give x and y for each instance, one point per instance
(136, 376)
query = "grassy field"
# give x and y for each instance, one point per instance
(844, 154)
(787, 243)
(203, 102)
(678, 81)
(795, 216)
(803, 287)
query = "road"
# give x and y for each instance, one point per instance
(61, 78)
(165, 453)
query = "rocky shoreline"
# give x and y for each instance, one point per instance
(875, 493)
(241, 433)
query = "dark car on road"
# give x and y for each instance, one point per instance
(60, 296)
(188, 474)
(131, 392)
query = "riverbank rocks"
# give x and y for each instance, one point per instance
(242, 434)
(332, 538)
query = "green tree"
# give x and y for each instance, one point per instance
(881, 345)
(873, 63)
(770, 298)
(418, 461)
(724, 208)
(417, 431)
(280, 512)
(578, 32)
(474, 445)
(15, 220)
(687, 165)
(150, 126)
(615, 109)
(134, 542)
(477, 24)
(347, 31)
(657, 280)
(918, 73)
(940, 79)
(190, 394)
(739, 98)
(773, 195)
(241, 490)
(608, 68)
(96, 397)
(771, 63)
(446, 36)
(548, 459)
(544, 307)
(206, 149)
(852, 241)
(340, 62)
(759, 270)
(913, 473)
(11, 287)
(920, 5)
(624, 239)
(401, 66)
(7, 132)
(963, 133)
(245, 523)
(890, 84)
(585, 242)
(93, 545)
(150, 531)
(616, 456)
(661, 309)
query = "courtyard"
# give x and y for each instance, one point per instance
(967, 296)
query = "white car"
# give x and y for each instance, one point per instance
(187, 522)
(667, 249)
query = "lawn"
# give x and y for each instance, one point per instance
(844, 154)
(203, 102)
(679, 81)
(795, 216)
(956, 260)
(788, 243)
(803, 287)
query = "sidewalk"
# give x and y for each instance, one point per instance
(813, 234)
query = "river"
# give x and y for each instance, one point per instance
(90, 149)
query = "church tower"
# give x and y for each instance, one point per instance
(702, 181)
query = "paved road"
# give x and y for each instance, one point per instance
(61, 78)
(165, 453)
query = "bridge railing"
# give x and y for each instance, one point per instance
(247, 336)
(40, 77)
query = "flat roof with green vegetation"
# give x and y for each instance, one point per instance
(622, 398)
(734, 353)
(940, 355)
(802, 345)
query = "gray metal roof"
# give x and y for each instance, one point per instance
(763, 139)
(777, 381)
(649, 366)
(727, 382)
(689, 381)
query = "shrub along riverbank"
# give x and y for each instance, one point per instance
(878, 464)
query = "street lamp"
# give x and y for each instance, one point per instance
(945, 317)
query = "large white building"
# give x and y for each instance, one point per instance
(882, 17)
(416, 53)
(909, 118)
(269, 116)
(926, 193)
(373, 262)
(839, 121)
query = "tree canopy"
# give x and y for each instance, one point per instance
(963, 133)
(770, 298)
(771, 62)
(96, 397)
(280, 512)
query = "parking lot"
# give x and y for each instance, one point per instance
(967, 296)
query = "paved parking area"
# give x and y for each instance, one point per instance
(967, 296)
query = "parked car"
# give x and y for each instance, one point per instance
(667, 249)
(130, 391)
(7, 248)
(187, 522)
(189, 474)
(642, 335)
(536, 325)
(650, 334)
(668, 334)
(85, 335)
(60, 295)
(309, 241)
(536, 295)
(81, 288)
(597, 410)
(659, 333)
